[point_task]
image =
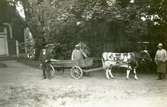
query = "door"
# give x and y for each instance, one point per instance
(2, 46)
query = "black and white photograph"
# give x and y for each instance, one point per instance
(83, 53)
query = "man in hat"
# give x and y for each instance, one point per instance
(78, 53)
(44, 58)
(160, 60)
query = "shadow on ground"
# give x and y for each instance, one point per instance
(2, 65)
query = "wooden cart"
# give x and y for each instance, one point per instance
(77, 67)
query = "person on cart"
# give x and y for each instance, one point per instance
(44, 58)
(78, 53)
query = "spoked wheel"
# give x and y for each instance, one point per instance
(76, 72)
(59, 71)
(52, 70)
(86, 73)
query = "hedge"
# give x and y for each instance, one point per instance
(29, 62)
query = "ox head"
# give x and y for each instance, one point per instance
(145, 55)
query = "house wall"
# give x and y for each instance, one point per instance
(2, 46)
(12, 47)
(8, 46)
(3, 42)
(16, 32)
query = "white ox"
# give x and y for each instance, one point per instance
(126, 60)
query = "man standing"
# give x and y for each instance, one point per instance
(44, 58)
(78, 53)
(160, 60)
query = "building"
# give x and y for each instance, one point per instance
(12, 32)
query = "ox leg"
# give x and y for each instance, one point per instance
(127, 73)
(110, 73)
(135, 75)
(107, 73)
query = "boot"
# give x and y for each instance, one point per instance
(159, 76)
(163, 77)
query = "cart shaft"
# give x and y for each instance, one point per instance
(94, 69)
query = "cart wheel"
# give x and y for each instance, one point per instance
(76, 72)
(59, 71)
(52, 70)
(86, 73)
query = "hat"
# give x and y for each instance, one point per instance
(44, 49)
(160, 45)
(77, 45)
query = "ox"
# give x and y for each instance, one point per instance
(130, 61)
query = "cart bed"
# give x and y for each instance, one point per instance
(70, 63)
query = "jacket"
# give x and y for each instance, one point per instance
(44, 57)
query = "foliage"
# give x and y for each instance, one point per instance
(29, 62)
(104, 25)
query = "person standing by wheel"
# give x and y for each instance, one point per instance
(44, 57)
(78, 54)
(160, 60)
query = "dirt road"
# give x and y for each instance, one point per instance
(22, 86)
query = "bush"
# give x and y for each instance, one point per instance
(29, 62)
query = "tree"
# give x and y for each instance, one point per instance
(105, 25)
(48, 20)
